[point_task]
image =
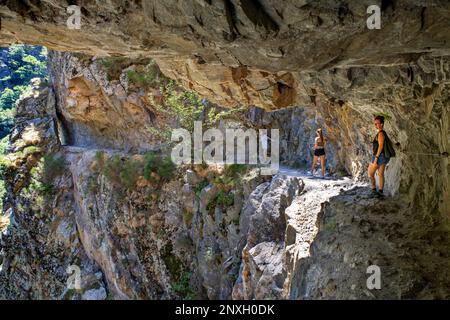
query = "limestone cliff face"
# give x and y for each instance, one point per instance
(197, 234)
(296, 66)
(262, 53)
(240, 52)
(41, 239)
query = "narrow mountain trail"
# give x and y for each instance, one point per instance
(302, 214)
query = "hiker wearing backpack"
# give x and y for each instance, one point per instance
(382, 151)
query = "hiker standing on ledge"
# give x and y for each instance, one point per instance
(379, 158)
(319, 152)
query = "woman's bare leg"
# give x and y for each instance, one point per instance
(322, 163)
(381, 176)
(371, 172)
(313, 167)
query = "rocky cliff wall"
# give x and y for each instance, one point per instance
(226, 235)
(240, 52)
(307, 65)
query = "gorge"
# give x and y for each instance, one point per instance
(89, 181)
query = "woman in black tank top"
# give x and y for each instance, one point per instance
(379, 160)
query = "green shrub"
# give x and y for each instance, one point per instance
(225, 199)
(215, 114)
(163, 133)
(211, 205)
(130, 172)
(199, 187)
(46, 189)
(235, 170)
(186, 106)
(5, 163)
(100, 159)
(114, 66)
(183, 286)
(231, 177)
(125, 173)
(43, 175)
(52, 167)
(112, 169)
(31, 150)
(4, 144)
(150, 75)
(161, 165)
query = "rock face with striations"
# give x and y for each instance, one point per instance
(305, 64)
(240, 52)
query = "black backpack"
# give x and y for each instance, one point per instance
(389, 151)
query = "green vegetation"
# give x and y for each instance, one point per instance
(229, 183)
(27, 151)
(110, 296)
(215, 114)
(162, 132)
(5, 163)
(44, 174)
(113, 66)
(186, 106)
(329, 226)
(52, 168)
(235, 170)
(224, 199)
(124, 173)
(130, 172)
(146, 76)
(4, 144)
(112, 169)
(161, 165)
(170, 99)
(180, 278)
(184, 288)
(199, 187)
(121, 173)
(18, 65)
(236, 220)
(231, 177)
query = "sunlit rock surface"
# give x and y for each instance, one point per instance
(296, 66)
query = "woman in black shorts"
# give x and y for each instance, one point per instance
(379, 159)
(319, 152)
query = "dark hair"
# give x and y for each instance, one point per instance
(381, 118)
